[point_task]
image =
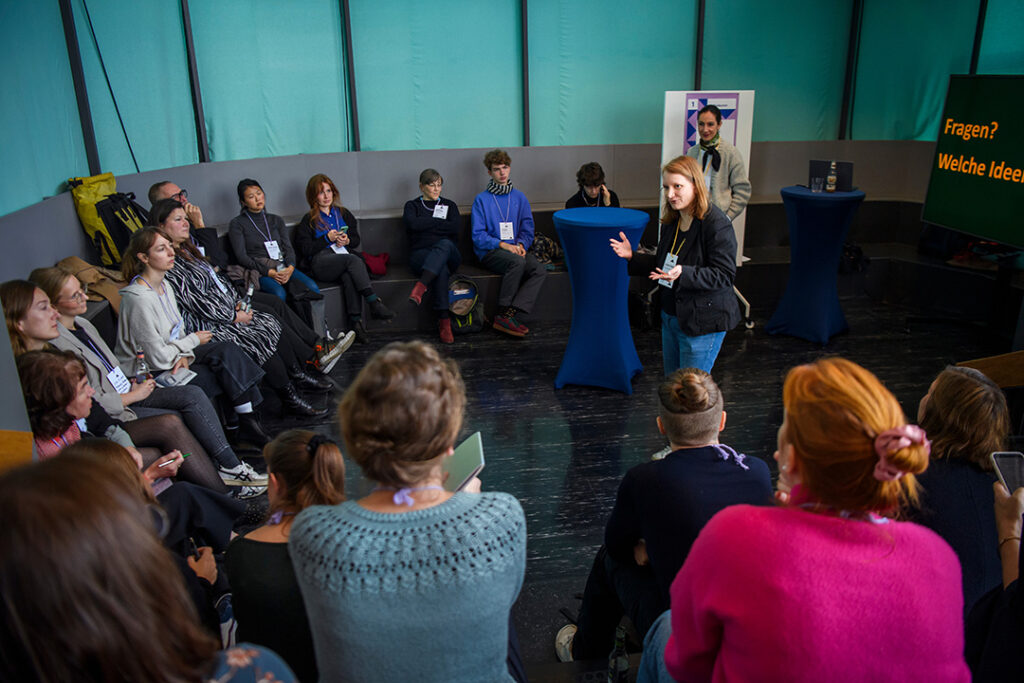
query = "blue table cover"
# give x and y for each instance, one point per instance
(600, 351)
(818, 223)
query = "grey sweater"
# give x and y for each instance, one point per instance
(247, 233)
(729, 187)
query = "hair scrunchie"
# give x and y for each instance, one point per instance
(892, 440)
(317, 441)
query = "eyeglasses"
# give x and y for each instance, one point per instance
(81, 294)
(180, 196)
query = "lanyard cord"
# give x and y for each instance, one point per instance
(508, 207)
(266, 224)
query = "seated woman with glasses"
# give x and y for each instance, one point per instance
(593, 191)
(432, 224)
(125, 398)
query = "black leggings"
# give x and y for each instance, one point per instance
(166, 433)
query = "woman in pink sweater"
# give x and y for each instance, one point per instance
(826, 587)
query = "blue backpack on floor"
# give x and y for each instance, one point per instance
(465, 306)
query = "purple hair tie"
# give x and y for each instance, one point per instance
(402, 496)
(891, 441)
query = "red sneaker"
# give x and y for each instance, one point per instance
(509, 325)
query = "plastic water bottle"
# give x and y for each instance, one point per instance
(247, 301)
(141, 369)
(618, 660)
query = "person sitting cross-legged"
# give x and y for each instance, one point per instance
(660, 509)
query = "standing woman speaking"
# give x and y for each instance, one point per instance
(695, 264)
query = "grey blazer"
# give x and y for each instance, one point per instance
(95, 370)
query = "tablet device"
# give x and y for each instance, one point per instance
(464, 464)
(177, 379)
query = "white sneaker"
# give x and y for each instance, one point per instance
(246, 492)
(563, 642)
(242, 474)
(325, 362)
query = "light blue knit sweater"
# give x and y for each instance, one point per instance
(419, 596)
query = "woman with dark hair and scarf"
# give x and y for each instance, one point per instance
(724, 172)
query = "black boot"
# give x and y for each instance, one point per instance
(298, 405)
(304, 379)
(250, 430)
(360, 330)
(379, 311)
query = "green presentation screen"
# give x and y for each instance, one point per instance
(977, 180)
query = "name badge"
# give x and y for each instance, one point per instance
(441, 211)
(670, 263)
(506, 230)
(202, 250)
(273, 250)
(176, 331)
(119, 381)
(81, 424)
(338, 250)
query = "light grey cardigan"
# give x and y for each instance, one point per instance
(95, 370)
(729, 186)
(145, 322)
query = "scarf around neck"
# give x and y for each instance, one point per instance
(495, 188)
(711, 151)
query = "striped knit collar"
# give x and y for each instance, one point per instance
(495, 188)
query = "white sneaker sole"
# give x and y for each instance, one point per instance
(331, 359)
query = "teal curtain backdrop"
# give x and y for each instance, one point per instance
(272, 76)
(438, 75)
(40, 135)
(599, 70)
(907, 52)
(793, 54)
(1002, 45)
(143, 48)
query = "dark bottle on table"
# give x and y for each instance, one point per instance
(618, 660)
(140, 370)
(830, 179)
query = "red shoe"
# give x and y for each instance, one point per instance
(509, 325)
(418, 290)
(444, 327)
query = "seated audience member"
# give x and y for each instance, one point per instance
(150, 321)
(410, 582)
(432, 224)
(192, 515)
(326, 240)
(90, 594)
(593, 191)
(261, 242)
(58, 399)
(965, 415)
(827, 587)
(721, 164)
(995, 627)
(210, 303)
(502, 228)
(208, 244)
(305, 469)
(659, 511)
(122, 398)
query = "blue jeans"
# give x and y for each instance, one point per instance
(272, 286)
(442, 259)
(683, 351)
(652, 664)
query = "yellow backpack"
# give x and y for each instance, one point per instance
(109, 217)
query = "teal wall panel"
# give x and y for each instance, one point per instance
(40, 135)
(1002, 45)
(143, 48)
(599, 69)
(907, 52)
(272, 77)
(438, 75)
(792, 54)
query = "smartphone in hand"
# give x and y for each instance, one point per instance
(1009, 467)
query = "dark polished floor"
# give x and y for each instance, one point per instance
(562, 452)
